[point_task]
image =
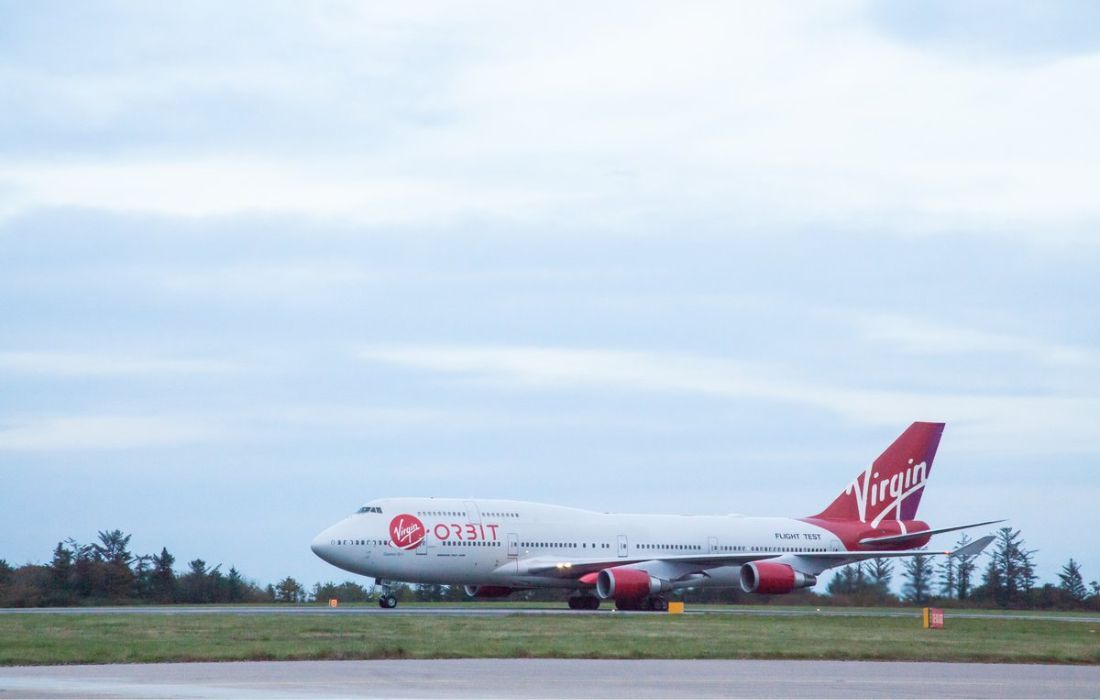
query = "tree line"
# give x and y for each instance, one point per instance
(106, 572)
(1007, 580)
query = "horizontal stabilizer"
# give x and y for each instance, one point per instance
(894, 539)
(974, 548)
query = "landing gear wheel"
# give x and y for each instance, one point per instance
(660, 604)
(386, 599)
(584, 602)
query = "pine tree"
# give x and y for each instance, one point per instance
(964, 570)
(61, 576)
(843, 582)
(992, 582)
(112, 552)
(881, 571)
(949, 571)
(164, 578)
(234, 585)
(289, 591)
(1015, 568)
(917, 572)
(1072, 582)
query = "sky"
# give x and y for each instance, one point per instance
(263, 262)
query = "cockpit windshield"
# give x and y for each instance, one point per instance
(369, 509)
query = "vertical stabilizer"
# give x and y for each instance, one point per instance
(890, 489)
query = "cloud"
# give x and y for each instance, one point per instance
(920, 337)
(105, 432)
(1013, 30)
(77, 364)
(621, 118)
(189, 188)
(1024, 423)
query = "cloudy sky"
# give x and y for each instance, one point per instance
(260, 263)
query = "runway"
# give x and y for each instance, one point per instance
(552, 678)
(460, 610)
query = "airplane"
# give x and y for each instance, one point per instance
(496, 547)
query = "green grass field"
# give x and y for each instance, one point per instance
(65, 639)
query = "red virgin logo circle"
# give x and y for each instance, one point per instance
(406, 531)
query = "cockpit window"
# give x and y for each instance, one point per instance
(369, 509)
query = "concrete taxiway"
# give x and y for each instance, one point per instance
(558, 678)
(486, 610)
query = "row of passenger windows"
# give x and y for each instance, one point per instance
(693, 547)
(788, 549)
(564, 545)
(594, 545)
(461, 514)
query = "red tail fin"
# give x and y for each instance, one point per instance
(892, 486)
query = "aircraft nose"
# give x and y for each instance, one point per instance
(322, 546)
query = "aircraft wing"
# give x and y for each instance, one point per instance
(698, 563)
(574, 568)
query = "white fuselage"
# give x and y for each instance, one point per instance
(498, 542)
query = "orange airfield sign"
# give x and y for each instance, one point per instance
(933, 618)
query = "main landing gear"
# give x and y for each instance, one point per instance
(386, 599)
(658, 603)
(584, 602)
(653, 602)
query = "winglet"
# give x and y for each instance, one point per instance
(974, 547)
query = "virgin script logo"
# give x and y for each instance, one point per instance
(886, 494)
(407, 532)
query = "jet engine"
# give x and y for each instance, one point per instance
(624, 584)
(772, 577)
(488, 591)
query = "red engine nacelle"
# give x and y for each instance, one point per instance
(488, 591)
(772, 577)
(622, 583)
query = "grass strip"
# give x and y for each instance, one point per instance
(96, 639)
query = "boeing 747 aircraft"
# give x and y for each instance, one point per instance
(495, 547)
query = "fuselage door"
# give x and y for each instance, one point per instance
(835, 546)
(473, 515)
(622, 546)
(712, 543)
(513, 545)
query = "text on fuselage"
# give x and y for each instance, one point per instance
(797, 535)
(467, 531)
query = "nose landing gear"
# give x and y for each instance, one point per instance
(386, 599)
